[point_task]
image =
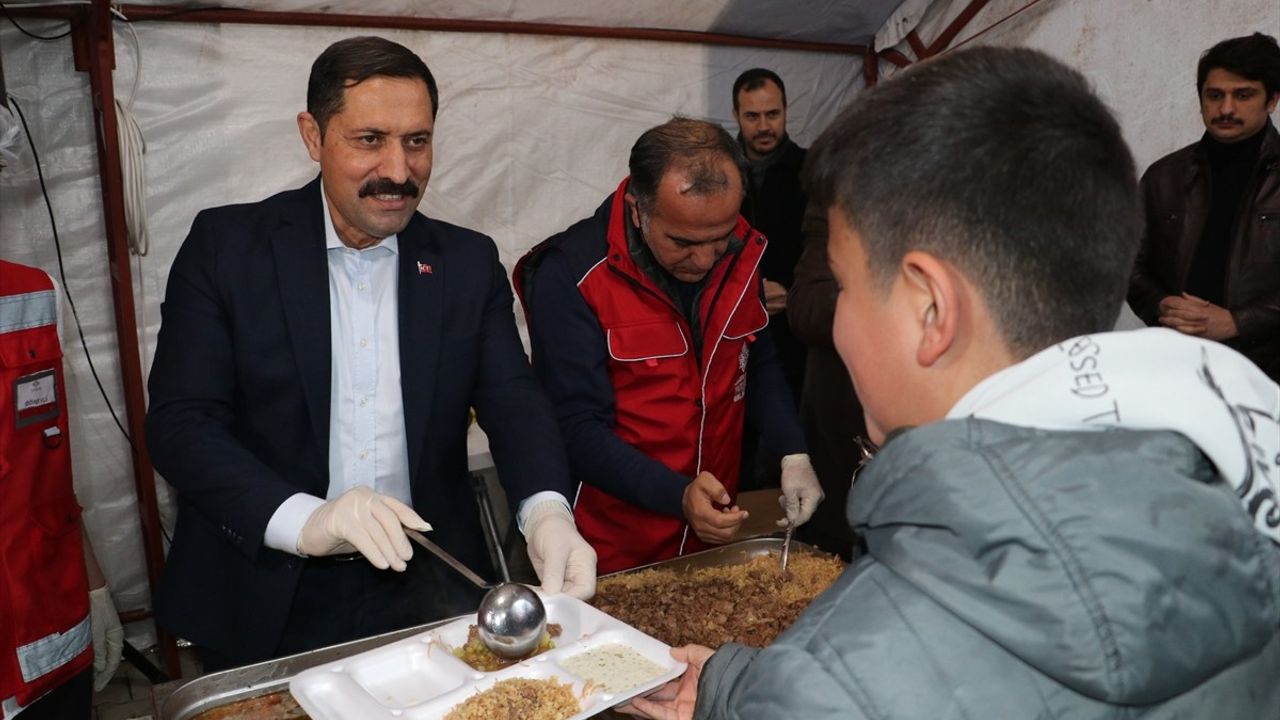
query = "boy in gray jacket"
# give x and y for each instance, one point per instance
(1064, 522)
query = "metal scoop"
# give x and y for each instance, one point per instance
(786, 538)
(511, 619)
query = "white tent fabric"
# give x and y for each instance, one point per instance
(533, 131)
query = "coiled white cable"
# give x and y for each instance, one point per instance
(133, 148)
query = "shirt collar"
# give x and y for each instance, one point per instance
(333, 242)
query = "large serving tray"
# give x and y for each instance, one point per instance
(724, 555)
(230, 686)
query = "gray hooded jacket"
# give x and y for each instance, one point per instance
(1016, 573)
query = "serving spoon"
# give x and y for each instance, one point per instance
(511, 619)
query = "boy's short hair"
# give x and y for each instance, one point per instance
(1253, 57)
(1003, 162)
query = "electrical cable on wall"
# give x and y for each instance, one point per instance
(132, 144)
(5, 9)
(133, 147)
(62, 271)
(66, 286)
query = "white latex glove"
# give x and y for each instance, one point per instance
(801, 492)
(563, 560)
(108, 636)
(367, 521)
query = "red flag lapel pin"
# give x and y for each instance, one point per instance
(423, 268)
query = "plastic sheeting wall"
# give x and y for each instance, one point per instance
(532, 133)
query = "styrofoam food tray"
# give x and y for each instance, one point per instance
(419, 678)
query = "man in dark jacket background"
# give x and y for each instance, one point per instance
(773, 203)
(774, 200)
(1209, 265)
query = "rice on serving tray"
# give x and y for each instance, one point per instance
(519, 699)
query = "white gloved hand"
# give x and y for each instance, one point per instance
(801, 492)
(371, 523)
(563, 560)
(108, 636)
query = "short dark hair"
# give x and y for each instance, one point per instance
(1004, 162)
(688, 145)
(349, 62)
(754, 79)
(1253, 57)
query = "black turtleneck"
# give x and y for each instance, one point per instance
(1231, 166)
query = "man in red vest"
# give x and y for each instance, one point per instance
(650, 335)
(54, 633)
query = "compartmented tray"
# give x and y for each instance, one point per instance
(419, 678)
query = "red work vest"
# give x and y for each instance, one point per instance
(45, 636)
(684, 411)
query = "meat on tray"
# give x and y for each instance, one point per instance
(750, 603)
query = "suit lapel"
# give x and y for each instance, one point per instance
(302, 273)
(421, 298)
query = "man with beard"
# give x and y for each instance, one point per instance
(317, 359)
(1211, 250)
(774, 201)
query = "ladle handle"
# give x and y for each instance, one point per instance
(450, 560)
(490, 525)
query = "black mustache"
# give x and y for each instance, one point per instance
(383, 186)
(1229, 118)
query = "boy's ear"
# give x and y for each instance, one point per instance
(933, 290)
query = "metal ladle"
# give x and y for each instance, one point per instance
(511, 619)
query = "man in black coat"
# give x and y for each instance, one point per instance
(318, 355)
(774, 204)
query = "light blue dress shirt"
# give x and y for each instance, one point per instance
(367, 442)
(366, 424)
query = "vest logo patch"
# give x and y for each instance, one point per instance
(740, 382)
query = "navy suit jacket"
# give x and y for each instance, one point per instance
(240, 385)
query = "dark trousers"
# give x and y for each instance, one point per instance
(72, 700)
(343, 599)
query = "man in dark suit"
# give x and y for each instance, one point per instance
(300, 440)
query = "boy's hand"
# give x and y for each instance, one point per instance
(676, 699)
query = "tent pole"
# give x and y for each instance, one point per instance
(962, 20)
(514, 27)
(94, 48)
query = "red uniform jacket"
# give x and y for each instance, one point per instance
(45, 636)
(671, 404)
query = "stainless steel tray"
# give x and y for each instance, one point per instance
(731, 554)
(229, 686)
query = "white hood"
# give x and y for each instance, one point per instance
(1151, 379)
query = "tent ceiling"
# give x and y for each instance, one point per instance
(833, 21)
